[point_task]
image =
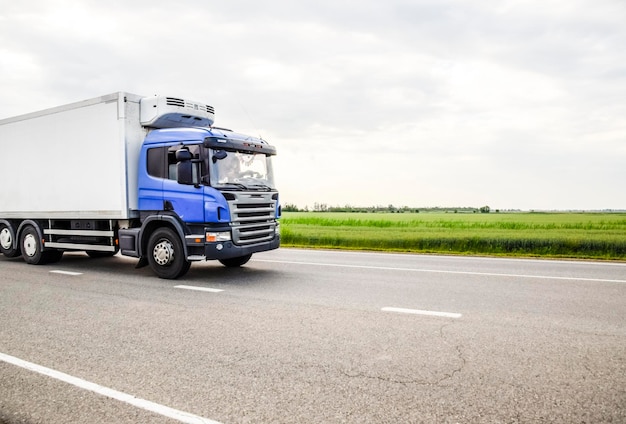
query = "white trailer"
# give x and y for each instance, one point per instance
(105, 174)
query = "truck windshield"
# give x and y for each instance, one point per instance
(241, 170)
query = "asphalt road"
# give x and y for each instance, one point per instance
(299, 336)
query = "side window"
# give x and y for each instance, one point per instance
(156, 162)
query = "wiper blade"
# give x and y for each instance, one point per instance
(262, 187)
(238, 185)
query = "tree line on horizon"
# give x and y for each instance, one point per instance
(324, 207)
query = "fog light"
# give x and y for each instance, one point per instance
(220, 246)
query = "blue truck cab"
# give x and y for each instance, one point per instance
(203, 193)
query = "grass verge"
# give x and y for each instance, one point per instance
(554, 235)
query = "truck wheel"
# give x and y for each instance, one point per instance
(31, 246)
(166, 255)
(7, 235)
(235, 262)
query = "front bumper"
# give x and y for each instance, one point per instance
(227, 249)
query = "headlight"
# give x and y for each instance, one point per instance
(277, 229)
(212, 237)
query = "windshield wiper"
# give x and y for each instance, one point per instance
(262, 187)
(238, 185)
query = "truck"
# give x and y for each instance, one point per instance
(148, 177)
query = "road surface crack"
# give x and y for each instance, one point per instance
(440, 380)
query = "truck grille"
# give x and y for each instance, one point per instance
(253, 217)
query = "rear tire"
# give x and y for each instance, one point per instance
(7, 237)
(31, 246)
(236, 262)
(166, 254)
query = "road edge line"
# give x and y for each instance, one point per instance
(147, 405)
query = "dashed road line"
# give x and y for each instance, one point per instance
(203, 289)
(58, 271)
(421, 312)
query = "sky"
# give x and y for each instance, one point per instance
(509, 104)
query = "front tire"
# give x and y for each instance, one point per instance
(166, 254)
(236, 262)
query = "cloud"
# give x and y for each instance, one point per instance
(403, 102)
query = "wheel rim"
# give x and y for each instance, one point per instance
(163, 253)
(30, 245)
(6, 239)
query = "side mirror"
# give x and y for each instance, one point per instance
(219, 155)
(183, 155)
(185, 168)
(185, 172)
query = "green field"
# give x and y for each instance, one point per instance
(554, 235)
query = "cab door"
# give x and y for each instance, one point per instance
(187, 200)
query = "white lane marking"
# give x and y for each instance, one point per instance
(439, 271)
(58, 271)
(461, 258)
(204, 289)
(420, 312)
(166, 411)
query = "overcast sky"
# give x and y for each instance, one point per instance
(510, 104)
